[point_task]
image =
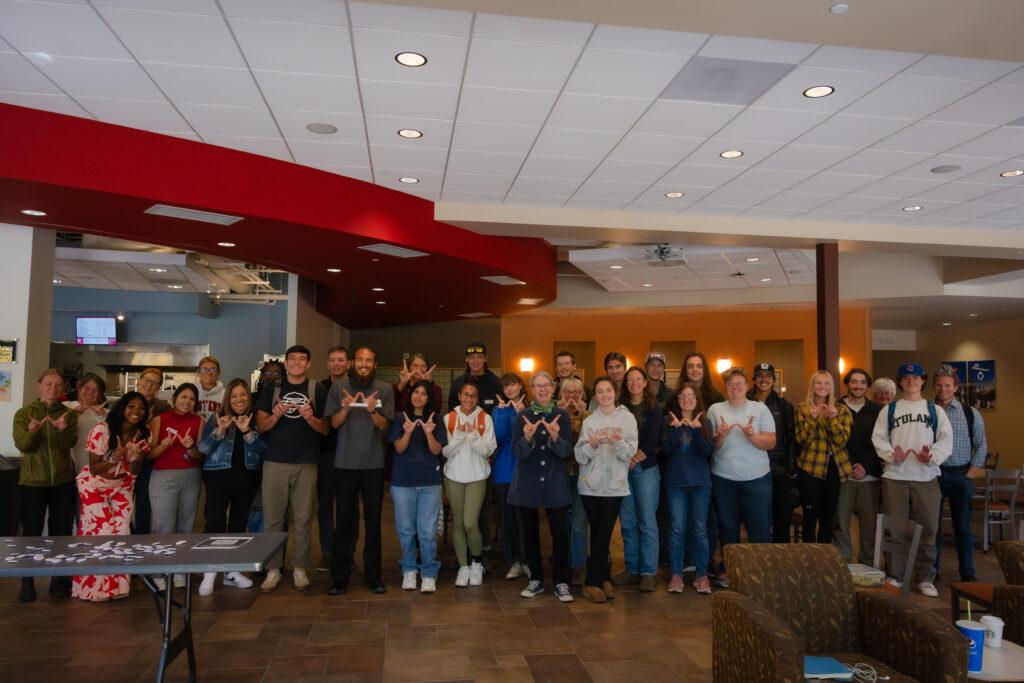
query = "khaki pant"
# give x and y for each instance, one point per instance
(863, 499)
(287, 486)
(917, 501)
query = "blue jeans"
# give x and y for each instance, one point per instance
(577, 526)
(416, 511)
(743, 502)
(688, 509)
(638, 520)
(958, 490)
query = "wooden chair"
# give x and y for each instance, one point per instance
(898, 547)
(1002, 490)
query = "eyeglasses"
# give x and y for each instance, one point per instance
(736, 385)
(148, 383)
(545, 385)
(208, 371)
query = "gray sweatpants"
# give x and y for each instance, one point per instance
(918, 501)
(174, 496)
(861, 498)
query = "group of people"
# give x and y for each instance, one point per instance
(681, 469)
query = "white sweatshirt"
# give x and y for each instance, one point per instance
(911, 431)
(209, 402)
(604, 470)
(467, 451)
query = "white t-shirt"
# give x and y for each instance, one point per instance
(738, 459)
(911, 431)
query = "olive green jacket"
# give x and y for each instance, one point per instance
(46, 454)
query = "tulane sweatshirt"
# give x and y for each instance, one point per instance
(604, 470)
(911, 429)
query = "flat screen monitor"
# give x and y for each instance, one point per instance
(96, 331)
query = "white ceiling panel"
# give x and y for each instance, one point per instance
(825, 216)
(411, 158)
(1003, 142)
(519, 66)
(472, 182)
(843, 130)
(900, 187)
(991, 174)
(606, 189)
(797, 201)
(766, 179)
(496, 105)
(911, 96)
(57, 29)
(698, 175)
(1011, 195)
(655, 194)
(493, 137)
(534, 200)
(652, 207)
(834, 183)
(300, 48)
(859, 59)
(206, 84)
(631, 171)
(59, 104)
(967, 166)
(756, 49)
(943, 66)
(597, 113)
(19, 75)
(931, 136)
(376, 50)
(896, 209)
(184, 6)
(575, 143)
(154, 116)
(293, 125)
(357, 172)
(770, 125)
(1014, 77)
(631, 39)
(540, 31)
(550, 187)
(389, 177)
(985, 224)
(329, 12)
(753, 152)
(696, 119)
(957, 192)
(542, 166)
(788, 93)
(994, 104)
(1015, 214)
(591, 203)
(472, 197)
(493, 163)
(268, 147)
(623, 74)
(412, 19)
(728, 196)
(216, 120)
(194, 39)
(383, 130)
(654, 148)
(971, 210)
(428, 101)
(102, 78)
(806, 158)
(877, 162)
(855, 204)
(309, 92)
(759, 212)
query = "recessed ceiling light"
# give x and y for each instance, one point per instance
(673, 195)
(753, 259)
(648, 284)
(615, 267)
(946, 168)
(56, 281)
(410, 59)
(321, 128)
(947, 324)
(175, 286)
(913, 208)
(226, 244)
(158, 270)
(819, 91)
(375, 260)
(731, 154)
(973, 315)
(380, 302)
(33, 212)
(838, 8)
(410, 133)
(408, 179)
(766, 279)
(527, 301)
(120, 316)
(377, 289)
(1005, 174)
(334, 270)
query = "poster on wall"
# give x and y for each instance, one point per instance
(5, 385)
(981, 383)
(961, 378)
(8, 350)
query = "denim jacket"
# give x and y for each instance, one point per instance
(218, 451)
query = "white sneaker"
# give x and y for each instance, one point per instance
(237, 580)
(462, 580)
(927, 589)
(206, 587)
(563, 592)
(159, 582)
(300, 579)
(894, 582)
(514, 572)
(270, 583)
(179, 580)
(428, 584)
(409, 580)
(476, 574)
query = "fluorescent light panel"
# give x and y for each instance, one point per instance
(392, 250)
(502, 280)
(192, 214)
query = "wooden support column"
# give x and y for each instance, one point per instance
(827, 271)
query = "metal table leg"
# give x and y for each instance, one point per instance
(172, 646)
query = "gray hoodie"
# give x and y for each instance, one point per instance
(604, 470)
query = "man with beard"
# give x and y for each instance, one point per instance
(361, 409)
(782, 456)
(485, 380)
(862, 492)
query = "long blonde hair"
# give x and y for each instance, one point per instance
(831, 387)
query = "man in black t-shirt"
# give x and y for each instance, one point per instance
(289, 417)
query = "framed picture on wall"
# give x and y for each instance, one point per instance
(981, 383)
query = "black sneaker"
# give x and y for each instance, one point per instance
(533, 589)
(337, 588)
(377, 586)
(28, 591)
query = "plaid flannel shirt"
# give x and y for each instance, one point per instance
(821, 438)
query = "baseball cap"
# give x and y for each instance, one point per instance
(947, 371)
(476, 347)
(655, 355)
(911, 370)
(764, 367)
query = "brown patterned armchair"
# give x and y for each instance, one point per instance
(791, 600)
(1008, 600)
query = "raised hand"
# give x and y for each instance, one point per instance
(695, 422)
(169, 439)
(529, 428)
(518, 403)
(35, 425)
(748, 428)
(674, 421)
(223, 422)
(347, 399)
(592, 438)
(580, 404)
(501, 403)
(813, 410)
(409, 425)
(61, 422)
(371, 403)
(280, 408)
(924, 455)
(306, 410)
(428, 427)
(723, 429)
(899, 455)
(119, 450)
(242, 422)
(614, 435)
(553, 428)
(429, 374)
(404, 375)
(832, 412)
(187, 441)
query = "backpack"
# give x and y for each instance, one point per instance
(481, 422)
(310, 393)
(932, 415)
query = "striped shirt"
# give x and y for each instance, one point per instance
(964, 452)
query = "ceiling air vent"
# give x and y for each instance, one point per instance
(502, 280)
(192, 214)
(392, 250)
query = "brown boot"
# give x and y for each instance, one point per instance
(593, 594)
(609, 590)
(648, 583)
(622, 578)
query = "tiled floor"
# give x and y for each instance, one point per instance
(487, 633)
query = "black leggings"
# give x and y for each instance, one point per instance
(602, 511)
(60, 500)
(558, 523)
(782, 507)
(819, 498)
(229, 496)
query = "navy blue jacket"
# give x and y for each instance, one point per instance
(541, 479)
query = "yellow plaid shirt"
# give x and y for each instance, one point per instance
(821, 438)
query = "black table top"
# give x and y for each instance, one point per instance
(153, 554)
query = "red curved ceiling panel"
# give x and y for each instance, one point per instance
(100, 178)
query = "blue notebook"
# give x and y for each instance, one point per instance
(826, 668)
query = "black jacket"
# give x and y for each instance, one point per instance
(783, 456)
(487, 385)
(859, 448)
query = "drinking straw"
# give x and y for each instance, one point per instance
(968, 610)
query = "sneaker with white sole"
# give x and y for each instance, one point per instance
(409, 580)
(270, 583)
(209, 580)
(476, 574)
(179, 581)
(462, 579)
(563, 592)
(428, 584)
(237, 580)
(514, 572)
(894, 582)
(159, 582)
(300, 579)
(533, 589)
(927, 589)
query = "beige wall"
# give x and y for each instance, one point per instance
(314, 331)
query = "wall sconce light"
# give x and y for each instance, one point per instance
(525, 364)
(842, 366)
(723, 364)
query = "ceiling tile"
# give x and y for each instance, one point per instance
(697, 175)
(492, 137)
(473, 182)
(756, 49)
(655, 194)
(728, 196)
(293, 125)
(542, 166)
(770, 125)
(858, 59)
(797, 201)
(1011, 195)
(994, 104)
(552, 187)
(967, 165)
(606, 189)
(20, 75)
(376, 50)
(60, 104)
(1014, 77)
(597, 113)
(428, 101)
(206, 84)
(766, 179)
(411, 19)
(631, 171)
(592, 203)
(534, 200)
(411, 159)
(154, 116)
(495, 105)
(834, 183)
(827, 216)
(575, 143)
(632, 39)
(853, 204)
(896, 209)
(329, 12)
(911, 96)
(991, 174)
(759, 212)
(389, 177)
(309, 92)
(753, 152)
(383, 130)
(877, 162)
(472, 197)
(971, 210)
(788, 93)
(652, 148)
(985, 224)
(957, 192)
(806, 158)
(900, 187)
(175, 38)
(268, 147)
(519, 66)
(652, 207)
(357, 172)
(217, 120)
(540, 31)
(1006, 141)
(843, 130)
(52, 29)
(1015, 214)
(299, 48)
(943, 66)
(931, 136)
(623, 74)
(183, 6)
(113, 79)
(493, 163)
(694, 119)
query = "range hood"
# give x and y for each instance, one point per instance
(149, 355)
